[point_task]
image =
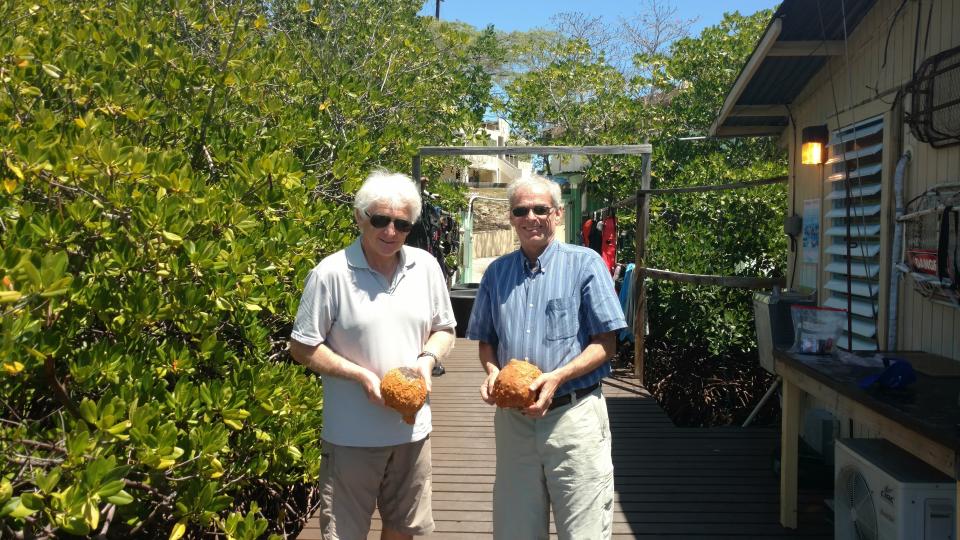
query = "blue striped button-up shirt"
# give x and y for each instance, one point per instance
(546, 315)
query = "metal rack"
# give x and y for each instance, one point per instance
(931, 247)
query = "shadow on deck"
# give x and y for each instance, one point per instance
(671, 482)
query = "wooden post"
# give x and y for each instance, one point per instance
(640, 316)
(789, 437)
(415, 173)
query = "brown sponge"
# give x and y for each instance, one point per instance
(404, 390)
(512, 387)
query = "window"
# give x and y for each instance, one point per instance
(853, 191)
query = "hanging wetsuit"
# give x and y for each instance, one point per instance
(585, 231)
(595, 240)
(609, 241)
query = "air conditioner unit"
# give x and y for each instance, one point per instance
(882, 492)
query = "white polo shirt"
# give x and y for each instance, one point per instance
(378, 325)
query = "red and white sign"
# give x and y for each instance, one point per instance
(923, 260)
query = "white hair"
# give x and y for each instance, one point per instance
(536, 181)
(394, 189)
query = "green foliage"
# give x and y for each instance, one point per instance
(573, 99)
(577, 98)
(170, 171)
(725, 233)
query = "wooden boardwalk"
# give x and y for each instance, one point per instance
(679, 483)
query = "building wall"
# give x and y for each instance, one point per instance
(922, 324)
(568, 163)
(494, 243)
(495, 169)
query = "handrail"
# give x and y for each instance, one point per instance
(737, 282)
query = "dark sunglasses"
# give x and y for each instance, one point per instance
(381, 221)
(523, 211)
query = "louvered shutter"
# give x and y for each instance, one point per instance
(855, 156)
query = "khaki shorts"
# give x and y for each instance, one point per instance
(356, 480)
(561, 461)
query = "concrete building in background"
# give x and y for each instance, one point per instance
(492, 171)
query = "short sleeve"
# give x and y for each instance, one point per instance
(481, 326)
(441, 317)
(315, 315)
(599, 306)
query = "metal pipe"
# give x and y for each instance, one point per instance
(895, 252)
(846, 185)
(763, 400)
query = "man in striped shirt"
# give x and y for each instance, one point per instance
(554, 305)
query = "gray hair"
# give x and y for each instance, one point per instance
(536, 181)
(391, 188)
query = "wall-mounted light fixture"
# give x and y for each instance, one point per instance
(813, 139)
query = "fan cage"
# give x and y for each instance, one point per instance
(935, 89)
(858, 520)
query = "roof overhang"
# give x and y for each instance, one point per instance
(800, 38)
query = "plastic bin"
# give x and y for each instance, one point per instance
(773, 322)
(462, 298)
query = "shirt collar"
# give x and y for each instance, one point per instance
(357, 259)
(543, 261)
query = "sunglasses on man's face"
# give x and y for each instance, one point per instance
(524, 211)
(380, 221)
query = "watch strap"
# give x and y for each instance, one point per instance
(430, 354)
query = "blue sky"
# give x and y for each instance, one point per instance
(511, 15)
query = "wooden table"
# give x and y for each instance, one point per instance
(925, 420)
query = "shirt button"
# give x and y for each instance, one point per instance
(528, 330)
(526, 358)
(531, 305)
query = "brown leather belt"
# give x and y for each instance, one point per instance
(565, 399)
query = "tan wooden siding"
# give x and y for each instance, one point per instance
(922, 324)
(494, 243)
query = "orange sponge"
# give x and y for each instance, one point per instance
(512, 387)
(405, 391)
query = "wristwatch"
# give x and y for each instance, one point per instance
(437, 365)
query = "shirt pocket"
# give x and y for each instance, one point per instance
(561, 318)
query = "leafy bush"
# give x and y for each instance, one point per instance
(170, 172)
(700, 356)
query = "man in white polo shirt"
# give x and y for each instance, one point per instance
(371, 307)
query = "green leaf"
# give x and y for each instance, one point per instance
(14, 169)
(91, 514)
(178, 530)
(31, 500)
(16, 509)
(110, 488)
(51, 70)
(31, 271)
(6, 490)
(77, 442)
(57, 288)
(120, 498)
(75, 525)
(7, 297)
(47, 482)
(88, 410)
(236, 414)
(172, 237)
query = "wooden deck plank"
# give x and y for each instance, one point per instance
(670, 482)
